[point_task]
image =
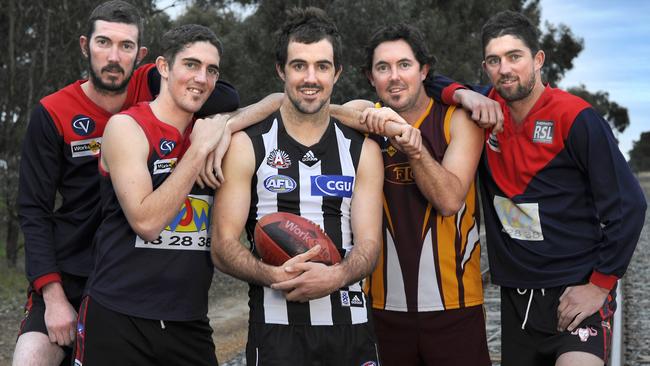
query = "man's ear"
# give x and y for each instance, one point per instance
(539, 59)
(142, 52)
(424, 70)
(83, 44)
(338, 73)
(370, 78)
(163, 66)
(280, 71)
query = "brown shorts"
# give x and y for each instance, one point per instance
(445, 338)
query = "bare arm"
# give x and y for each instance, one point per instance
(212, 174)
(318, 280)
(124, 154)
(446, 184)
(229, 216)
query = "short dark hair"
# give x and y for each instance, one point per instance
(510, 23)
(176, 39)
(116, 11)
(308, 25)
(408, 34)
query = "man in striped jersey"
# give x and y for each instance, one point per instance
(426, 290)
(301, 161)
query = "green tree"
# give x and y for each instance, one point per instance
(640, 154)
(615, 114)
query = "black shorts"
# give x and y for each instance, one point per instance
(448, 337)
(105, 337)
(34, 320)
(539, 343)
(335, 345)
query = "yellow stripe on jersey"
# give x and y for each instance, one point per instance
(424, 115)
(374, 285)
(446, 236)
(473, 287)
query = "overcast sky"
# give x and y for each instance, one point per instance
(615, 58)
(616, 54)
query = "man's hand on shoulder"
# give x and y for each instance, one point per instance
(486, 112)
(60, 316)
(577, 303)
(207, 132)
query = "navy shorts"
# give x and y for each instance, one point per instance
(448, 337)
(107, 338)
(323, 345)
(539, 343)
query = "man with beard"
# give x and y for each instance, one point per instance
(60, 153)
(147, 296)
(302, 312)
(563, 211)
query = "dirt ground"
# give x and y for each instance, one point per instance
(228, 315)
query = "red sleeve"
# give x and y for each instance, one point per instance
(603, 280)
(448, 93)
(40, 282)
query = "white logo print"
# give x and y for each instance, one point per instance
(278, 159)
(309, 156)
(584, 333)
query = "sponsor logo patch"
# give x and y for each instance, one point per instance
(167, 146)
(161, 166)
(279, 183)
(543, 132)
(278, 159)
(519, 220)
(391, 151)
(351, 299)
(83, 125)
(309, 157)
(332, 185)
(189, 230)
(89, 147)
(400, 173)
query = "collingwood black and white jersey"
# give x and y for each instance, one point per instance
(315, 182)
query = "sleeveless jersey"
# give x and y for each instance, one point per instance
(315, 182)
(167, 278)
(428, 262)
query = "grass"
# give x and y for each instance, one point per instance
(12, 280)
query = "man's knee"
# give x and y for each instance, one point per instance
(35, 349)
(577, 358)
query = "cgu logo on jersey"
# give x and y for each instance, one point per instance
(400, 173)
(332, 185)
(161, 166)
(278, 159)
(167, 146)
(279, 184)
(543, 132)
(83, 125)
(194, 216)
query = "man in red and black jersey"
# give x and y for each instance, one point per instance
(563, 211)
(60, 153)
(147, 294)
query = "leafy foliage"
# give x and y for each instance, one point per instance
(640, 154)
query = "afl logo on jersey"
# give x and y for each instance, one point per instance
(279, 184)
(332, 185)
(167, 146)
(83, 125)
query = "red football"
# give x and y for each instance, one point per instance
(281, 235)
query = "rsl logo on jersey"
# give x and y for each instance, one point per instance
(278, 159)
(161, 166)
(543, 132)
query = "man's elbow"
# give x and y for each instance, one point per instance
(449, 207)
(145, 230)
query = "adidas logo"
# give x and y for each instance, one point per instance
(308, 157)
(356, 300)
